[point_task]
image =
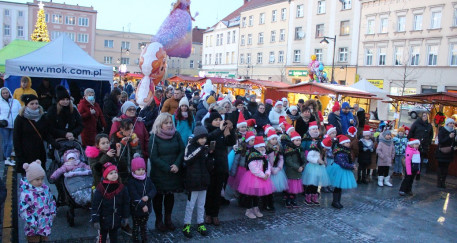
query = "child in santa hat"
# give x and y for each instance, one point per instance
(328, 143)
(285, 137)
(412, 165)
(312, 135)
(294, 159)
(366, 150)
(340, 172)
(238, 168)
(315, 174)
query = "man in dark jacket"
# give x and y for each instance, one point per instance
(360, 116)
(252, 105)
(45, 94)
(203, 107)
(261, 118)
(335, 119)
(239, 108)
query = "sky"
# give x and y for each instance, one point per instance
(145, 16)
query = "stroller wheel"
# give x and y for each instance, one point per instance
(70, 219)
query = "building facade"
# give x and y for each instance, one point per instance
(13, 22)
(78, 22)
(409, 44)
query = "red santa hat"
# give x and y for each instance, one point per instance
(282, 119)
(259, 142)
(251, 123)
(414, 141)
(336, 106)
(249, 136)
(241, 121)
(288, 128)
(406, 129)
(366, 131)
(294, 135)
(343, 139)
(267, 128)
(271, 134)
(352, 131)
(312, 125)
(327, 143)
(330, 129)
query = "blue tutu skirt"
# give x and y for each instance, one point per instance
(341, 178)
(231, 158)
(316, 175)
(280, 181)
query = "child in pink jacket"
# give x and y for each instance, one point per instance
(412, 165)
(71, 159)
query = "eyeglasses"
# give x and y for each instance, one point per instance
(131, 109)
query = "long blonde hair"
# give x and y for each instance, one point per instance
(160, 120)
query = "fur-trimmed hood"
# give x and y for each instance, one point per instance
(119, 118)
(92, 152)
(311, 102)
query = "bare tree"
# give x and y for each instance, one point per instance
(282, 71)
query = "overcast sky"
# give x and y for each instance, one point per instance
(145, 16)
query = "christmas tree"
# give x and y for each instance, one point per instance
(40, 33)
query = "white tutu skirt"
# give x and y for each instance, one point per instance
(280, 181)
(316, 175)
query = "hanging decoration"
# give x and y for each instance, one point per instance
(316, 71)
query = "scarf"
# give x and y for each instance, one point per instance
(166, 134)
(294, 117)
(32, 114)
(110, 189)
(184, 114)
(385, 141)
(367, 142)
(449, 129)
(141, 178)
(341, 149)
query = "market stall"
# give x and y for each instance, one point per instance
(17, 48)
(262, 88)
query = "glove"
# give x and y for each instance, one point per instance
(97, 226)
(124, 222)
(365, 149)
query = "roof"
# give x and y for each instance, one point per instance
(247, 5)
(325, 89)
(266, 84)
(18, 48)
(440, 98)
(368, 87)
(197, 35)
(182, 78)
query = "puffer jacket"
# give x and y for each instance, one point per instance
(197, 167)
(20, 91)
(445, 141)
(294, 158)
(412, 158)
(9, 109)
(424, 132)
(274, 117)
(386, 154)
(110, 204)
(137, 190)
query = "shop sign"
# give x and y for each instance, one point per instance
(379, 83)
(298, 73)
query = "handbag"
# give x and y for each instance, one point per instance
(4, 123)
(445, 150)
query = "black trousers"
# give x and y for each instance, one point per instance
(112, 235)
(253, 201)
(311, 189)
(140, 227)
(213, 194)
(168, 200)
(443, 168)
(383, 170)
(407, 183)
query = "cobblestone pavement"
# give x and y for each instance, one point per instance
(370, 214)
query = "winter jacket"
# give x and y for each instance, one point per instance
(139, 130)
(365, 151)
(202, 110)
(110, 207)
(292, 120)
(354, 147)
(252, 107)
(301, 126)
(400, 145)
(361, 117)
(20, 91)
(412, 157)
(445, 141)
(128, 149)
(386, 154)
(149, 116)
(137, 190)
(276, 160)
(308, 140)
(424, 132)
(343, 157)
(268, 108)
(129, 89)
(222, 142)
(346, 121)
(170, 106)
(111, 109)
(235, 114)
(184, 129)
(67, 167)
(89, 121)
(258, 165)
(294, 158)
(164, 153)
(240, 157)
(65, 121)
(274, 117)
(261, 119)
(37, 208)
(9, 109)
(45, 96)
(96, 160)
(335, 120)
(197, 167)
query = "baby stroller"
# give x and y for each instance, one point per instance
(74, 188)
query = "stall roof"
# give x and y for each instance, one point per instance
(440, 98)
(266, 84)
(325, 89)
(18, 48)
(183, 78)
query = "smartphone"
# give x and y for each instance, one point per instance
(113, 146)
(212, 145)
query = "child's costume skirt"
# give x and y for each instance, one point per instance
(340, 177)
(255, 186)
(316, 175)
(234, 181)
(295, 186)
(280, 181)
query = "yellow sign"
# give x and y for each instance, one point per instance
(377, 82)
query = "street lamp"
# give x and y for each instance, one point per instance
(127, 52)
(325, 42)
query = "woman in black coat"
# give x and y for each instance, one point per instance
(261, 119)
(149, 115)
(422, 130)
(30, 131)
(111, 107)
(445, 151)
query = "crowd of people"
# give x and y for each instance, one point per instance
(205, 146)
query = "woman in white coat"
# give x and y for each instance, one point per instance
(275, 113)
(9, 109)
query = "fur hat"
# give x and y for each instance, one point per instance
(61, 93)
(294, 135)
(200, 132)
(27, 98)
(249, 136)
(184, 101)
(366, 131)
(238, 102)
(271, 134)
(312, 124)
(414, 141)
(126, 106)
(336, 106)
(33, 170)
(330, 128)
(448, 120)
(327, 143)
(352, 131)
(343, 139)
(107, 168)
(259, 142)
(138, 163)
(241, 121)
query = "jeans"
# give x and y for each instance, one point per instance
(7, 142)
(398, 166)
(198, 197)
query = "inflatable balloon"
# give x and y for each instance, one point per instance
(207, 88)
(321, 67)
(325, 75)
(313, 57)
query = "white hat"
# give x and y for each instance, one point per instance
(293, 108)
(278, 103)
(184, 101)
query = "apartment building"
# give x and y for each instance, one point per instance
(409, 43)
(14, 22)
(78, 22)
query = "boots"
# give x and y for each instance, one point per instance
(308, 199)
(339, 200)
(441, 181)
(168, 222)
(380, 180)
(359, 176)
(387, 181)
(257, 212)
(315, 198)
(159, 224)
(270, 203)
(336, 203)
(250, 213)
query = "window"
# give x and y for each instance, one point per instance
(228, 37)
(251, 20)
(227, 58)
(259, 58)
(454, 21)
(125, 60)
(382, 56)
(71, 35)
(436, 20)
(432, 55)
(249, 39)
(243, 22)
(125, 45)
(242, 40)
(191, 64)
(210, 40)
(300, 11)
(217, 39)
(55, 34)
(296, 55)
(206, 59)
(233, 57)
(70, 20)
(283, 14)
(272, 57)
(109, 43)
(273, 36)
(46, 17)
(344, 27)
(415, 55)
(370, 27)
(298, 33)
(220, 58)
(320, 7)
(320, 30)
(346, 4)
(401, 23)
(20, 31)
(262, 18)
(384, 25)
(368, 57)
(318, 53)
(221, 39)
(261, 38)
(57, 19)
(343, 54)
(248, 58)
(234, 37)
(83, 38)
(7, 12)
(282, 35)
(281, 57)
(216, 61)
(6, 30)
(20, 13)
(241, 58)
(108, 60)
(83, 21)
(453, 54)
(209, 58)
(417, 22)
(274, 14)
(398, 56)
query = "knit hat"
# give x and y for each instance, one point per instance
(27, 98)
(414, 141)
(72, 153)
(267, 128)
(61, 93)
(213, 116)
(137, 163)
(259, 142)
(401, 129)
(327, 143)
(336, 106)
(343, 139)
(238, 102)
(330, 129)
(249, 136)
(346, 105)
(126, 106)
(252, 96)
(352, 131)
(301, 101)
(448, 120)
(269, 101)
(284, 99)
(210, 99)
(386, 132)
(293, 108)
(294, 135)
(288, 128)
(271, 134)
(241, 121)
(184, 101)
(107, 168)
(366, 130)
(312, 124)
(251, 123)
(278, 103)
(200, 132)
(33, 170)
